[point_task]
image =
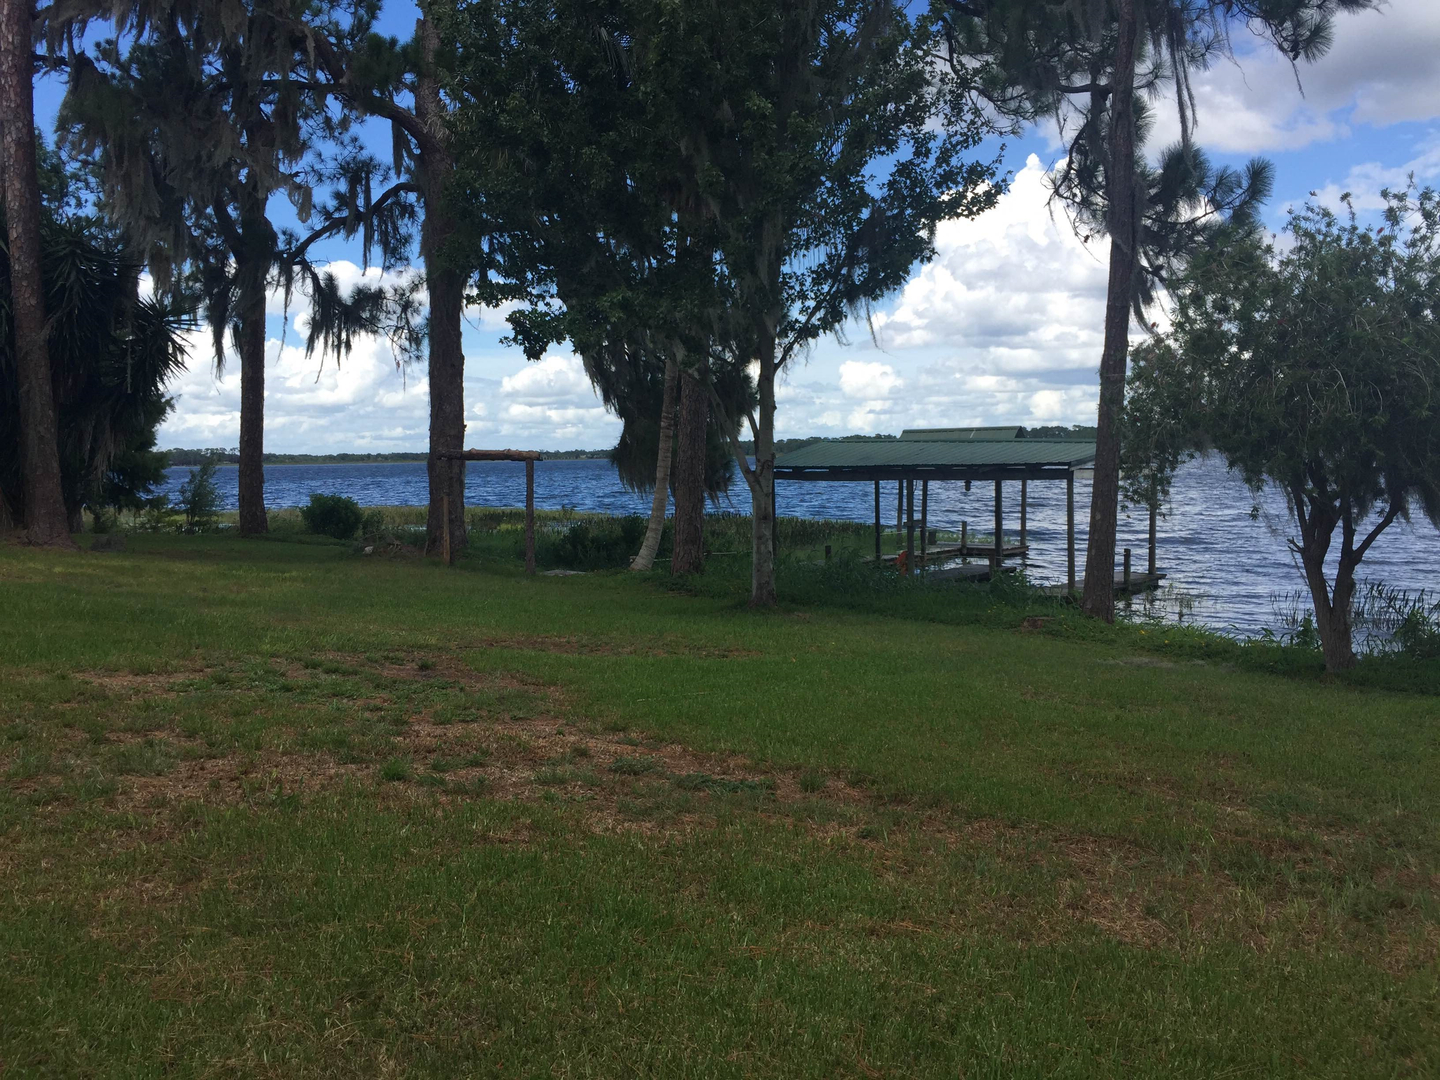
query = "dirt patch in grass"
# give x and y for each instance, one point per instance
(578, 646)
(514, 738)
(150, 684)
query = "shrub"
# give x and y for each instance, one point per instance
(593, 545)
(332, 515)
(199, 497)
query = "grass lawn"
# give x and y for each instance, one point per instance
(275, 809)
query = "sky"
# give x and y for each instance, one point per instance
(1003, 326)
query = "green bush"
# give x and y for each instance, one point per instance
(199, 497)
(594, 545)
(332, 515)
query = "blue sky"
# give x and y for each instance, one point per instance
(1004, 326)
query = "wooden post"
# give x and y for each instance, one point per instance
(1150, 566)
(529, 517)
(877, 522)
(909, 526)
(899, 506)
(999, 524)
(445, 543)
(1127, 570)
(964, 540)
(1070, 529)
(924, 518)
(1024, 495)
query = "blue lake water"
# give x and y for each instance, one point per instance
(1226, 565)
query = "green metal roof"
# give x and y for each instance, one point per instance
(912, 453)
(959, 434)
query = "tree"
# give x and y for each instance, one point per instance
(583, 154)
(112, 354)
(837, 151)
(44, 514)
(402, 84)
(199, 116)
(1087, 64)
(1316, 369)
(715, 184)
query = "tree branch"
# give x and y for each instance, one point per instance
(1385, 522)
(336, 224)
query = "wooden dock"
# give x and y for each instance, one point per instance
(946, 552)
(1139, 582)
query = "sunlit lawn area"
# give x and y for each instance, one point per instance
(276, 809)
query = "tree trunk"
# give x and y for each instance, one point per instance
(651, 545)
(253, 519)
(688, 556)
(44, 501)
(1332, 608)
(762, 485)
(445, 520)
(447, 410)
(1120, 185)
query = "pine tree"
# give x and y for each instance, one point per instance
(1089, 64)
(44, 507)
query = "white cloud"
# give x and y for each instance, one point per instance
(1014, 290)
(557, 378)
(1364, 182)
(866, 380)
(1004, 326)
(1384, 68)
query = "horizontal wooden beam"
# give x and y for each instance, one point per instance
(489, 455)
(926, 472)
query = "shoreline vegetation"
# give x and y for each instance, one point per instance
(263, 791)
(181, 457)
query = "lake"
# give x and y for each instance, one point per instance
(1228, 566)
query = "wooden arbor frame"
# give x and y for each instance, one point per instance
(529, 457)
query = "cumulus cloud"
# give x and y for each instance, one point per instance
(868, 380)
(1014, 290)
(1384, 68)
(1004, 326)
(1365, 181)
(365, 403)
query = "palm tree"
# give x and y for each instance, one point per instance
(44, 507)
(112, 351)
(1088, 63)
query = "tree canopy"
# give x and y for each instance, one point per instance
(1315, 367)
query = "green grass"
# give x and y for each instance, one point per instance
(274, 809)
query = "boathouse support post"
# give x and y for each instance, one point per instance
(877, 522)
(924, 518)
(529, 517)
(999, 525)
(909, 526)
(899, 506)
(1150, 563)
(1070, 530)
(1024, 509)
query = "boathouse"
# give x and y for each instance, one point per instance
(997, 455)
